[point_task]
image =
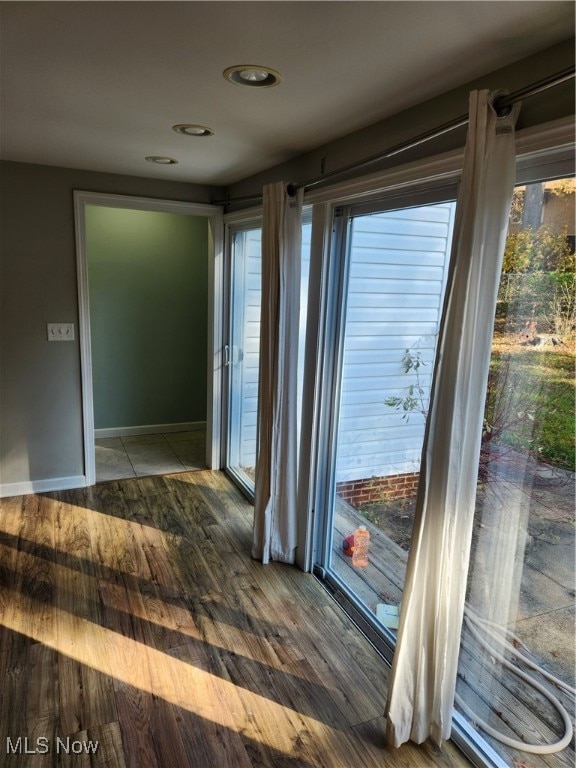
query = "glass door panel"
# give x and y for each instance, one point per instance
(520, 597)
(242, 355)
(304, 277)
(391, 303)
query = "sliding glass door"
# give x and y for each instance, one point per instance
(390, 269)
(241, 354)
(517, 659)
(242, 347)
(383, 290)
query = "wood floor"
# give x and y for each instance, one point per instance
(135, 630)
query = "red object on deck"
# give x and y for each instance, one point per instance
(348, 545)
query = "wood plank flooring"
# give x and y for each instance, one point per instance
(137, 632)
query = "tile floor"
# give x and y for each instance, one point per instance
(159, 454)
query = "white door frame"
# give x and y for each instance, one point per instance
(215, 297)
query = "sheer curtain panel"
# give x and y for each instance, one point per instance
(423, 676)
(276, 465)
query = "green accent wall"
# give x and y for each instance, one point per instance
(148, 279)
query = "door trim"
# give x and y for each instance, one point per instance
(215, 277)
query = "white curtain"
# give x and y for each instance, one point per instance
(276, 465)
(423, 677)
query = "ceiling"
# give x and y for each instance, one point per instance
(99, 85)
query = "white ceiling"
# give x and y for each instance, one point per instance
(98, 85)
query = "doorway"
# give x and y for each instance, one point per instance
(147, 271)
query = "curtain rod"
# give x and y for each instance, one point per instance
(502, 105)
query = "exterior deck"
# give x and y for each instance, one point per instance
(494, 695)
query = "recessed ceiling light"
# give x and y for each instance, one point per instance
(159, 160)
(253, 76)
(189, 129)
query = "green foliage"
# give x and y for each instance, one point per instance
(564, 307)
(562, 187)
(537, 250)
(545, 298)
(412, 361)
(413, 400)
(538, 281)
(530, 404)
(517, 205)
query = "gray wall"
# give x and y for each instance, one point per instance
(40, 393)
(555, 103)
(148, 277)
(40, 397)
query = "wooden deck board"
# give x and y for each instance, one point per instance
(500, 699)
(133, 615)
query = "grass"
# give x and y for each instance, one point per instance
(531, 399)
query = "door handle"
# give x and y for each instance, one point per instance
(227, 360)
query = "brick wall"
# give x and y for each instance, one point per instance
(373, 489)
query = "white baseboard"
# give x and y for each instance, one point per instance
(42, 486)
(150, 429)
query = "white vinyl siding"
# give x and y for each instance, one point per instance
(245, 356)
(248, 371)
(398, 267)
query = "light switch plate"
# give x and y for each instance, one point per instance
(60, 331)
